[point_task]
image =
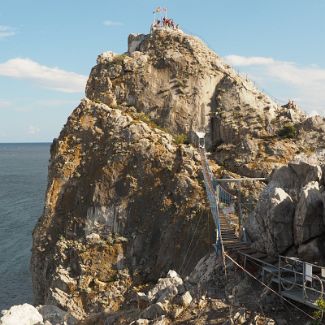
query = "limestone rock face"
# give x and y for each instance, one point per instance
(54, 315)
(272, 224)
(290, 213)
(167, 75)
(295, 176)
(309, 214)
(183, 86)
(121, 202)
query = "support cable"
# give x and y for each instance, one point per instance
(273, 291)
(190, 244)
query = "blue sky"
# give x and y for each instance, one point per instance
(47, 49)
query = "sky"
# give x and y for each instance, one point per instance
(47, 49)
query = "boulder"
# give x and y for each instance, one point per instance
(313, 251)
(308, 220)
(166, 288)
(55, 315)
(61, 298)
(186, 299)
(176, 312)
(142, 300)
(63, 281)
(21, 315)
(273, 218)
(154, 311)
(240, 316)
(293, 177)
(93, 238)
(162, 320)
(314, 123)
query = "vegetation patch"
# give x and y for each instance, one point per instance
(181, 138)
(118, 59)
(288, 131)
(319, 314)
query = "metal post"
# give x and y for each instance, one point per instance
(240, 210)
(303, 280)
(279, 275)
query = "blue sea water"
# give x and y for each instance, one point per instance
(23, 180)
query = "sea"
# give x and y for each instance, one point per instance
(23, 181)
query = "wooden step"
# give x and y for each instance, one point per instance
(230, 237)
(235, 245)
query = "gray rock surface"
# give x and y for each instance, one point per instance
(308, 221)
(289, 215)
(121, 192)
(270, 227)
(55, 315)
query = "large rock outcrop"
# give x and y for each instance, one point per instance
(121, 205)
(290, 213)
(125, 201)
(183, 86)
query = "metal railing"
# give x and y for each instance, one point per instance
(302, 279)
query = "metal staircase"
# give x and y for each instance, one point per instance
(297, 280)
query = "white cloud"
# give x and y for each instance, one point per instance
(305, 84)
(5, 103)
(242, 61)
(52, 78)
(111, 23)
(33, 130)
(6, 31)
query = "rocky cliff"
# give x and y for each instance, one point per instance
(183, 86)
(290, 214)
(125, 201)
(121, 204)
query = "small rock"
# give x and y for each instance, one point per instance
(172, 274)
(239, 317)
(93, 238)
(154, 311)
(186, 299)
(55, 315)
(162, 320)
(143, 300)
(176, 312)
(21, 314)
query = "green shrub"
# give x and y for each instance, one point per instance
(118, 59)
(146, 119)
(288, 131)
(181, 138)
(318, 314)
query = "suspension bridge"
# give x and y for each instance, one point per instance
(293, 279)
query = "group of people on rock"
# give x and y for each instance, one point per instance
(291, 104)
(165, 22)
